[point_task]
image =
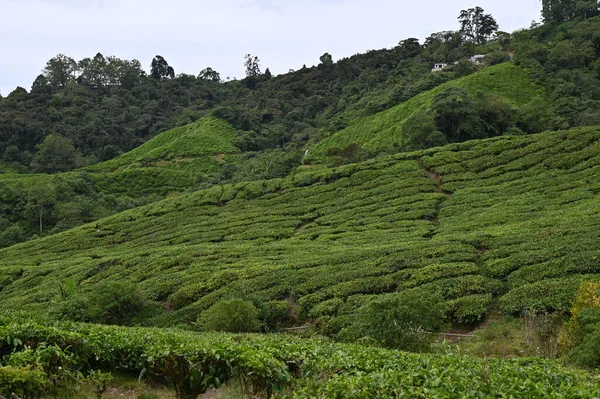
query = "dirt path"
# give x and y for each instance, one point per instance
(438, 187)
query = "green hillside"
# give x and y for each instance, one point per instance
(384, 131)
(172, 162)
(509, 217)
(207, 136)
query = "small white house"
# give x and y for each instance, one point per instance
(439, 67)
(478, 59)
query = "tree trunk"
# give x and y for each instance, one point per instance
(41, 218)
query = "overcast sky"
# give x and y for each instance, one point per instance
(193, 34)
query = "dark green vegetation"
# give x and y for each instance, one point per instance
(395, 226)
(511, 217)
(381, 102)
(177, 160)
(503, 90)
(283, 367)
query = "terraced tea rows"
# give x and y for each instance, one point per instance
(515, 217)
(278, 366)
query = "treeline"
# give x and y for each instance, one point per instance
(106, 105)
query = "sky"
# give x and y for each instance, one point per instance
(194, 34)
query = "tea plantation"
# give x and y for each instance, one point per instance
(278, 366)
(514, 218)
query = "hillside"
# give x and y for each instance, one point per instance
(509, 217)
(207, 136)
(174, 161)
(385, 131)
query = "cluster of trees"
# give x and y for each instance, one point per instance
(54, 205)
(559, 11)
(455, 117)
(105, 105)
(565, 59)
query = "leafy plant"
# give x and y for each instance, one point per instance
(404, 320)
(234, 315)
(99, 382)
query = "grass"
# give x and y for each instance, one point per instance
(383, 131)
(513, 218)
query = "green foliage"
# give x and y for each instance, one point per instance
(451, 220)
(99, 382)
(234, 315)
(56, 363)
(22, 381)
(55, 154)
(295, 368)
(400, 321)
(385, 130)
(110, 302)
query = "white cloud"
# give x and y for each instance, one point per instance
(194, 34)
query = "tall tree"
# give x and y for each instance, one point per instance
(209, 74)
(476, 25)
(558, 11)
(252, 64)
(409, 47)
(160, 69)
(60, 71)
(326, 59)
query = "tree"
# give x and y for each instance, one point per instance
(41, 200)
(410, 47)
(558, 11)
(55, 154)
(457, 115)
(268, 74)
(210, 75)
(477, 26)
(160, 69)
(60, 71)
(94, 71)
(234, 315)
(401, 321)
(326, 59)
(420, 131)
(252, 64)
(586, 8)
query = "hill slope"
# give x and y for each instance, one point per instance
(515, 217)
(207, 136)
(171, 162)
(383, 131)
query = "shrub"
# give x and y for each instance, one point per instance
(22, 381)
(234, 315)
(402, 320)
(57, 364)
(109, 303)
(98, 381)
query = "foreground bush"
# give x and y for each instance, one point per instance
(284, 366)
(22, 381)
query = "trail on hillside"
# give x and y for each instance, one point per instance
(438, 188)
